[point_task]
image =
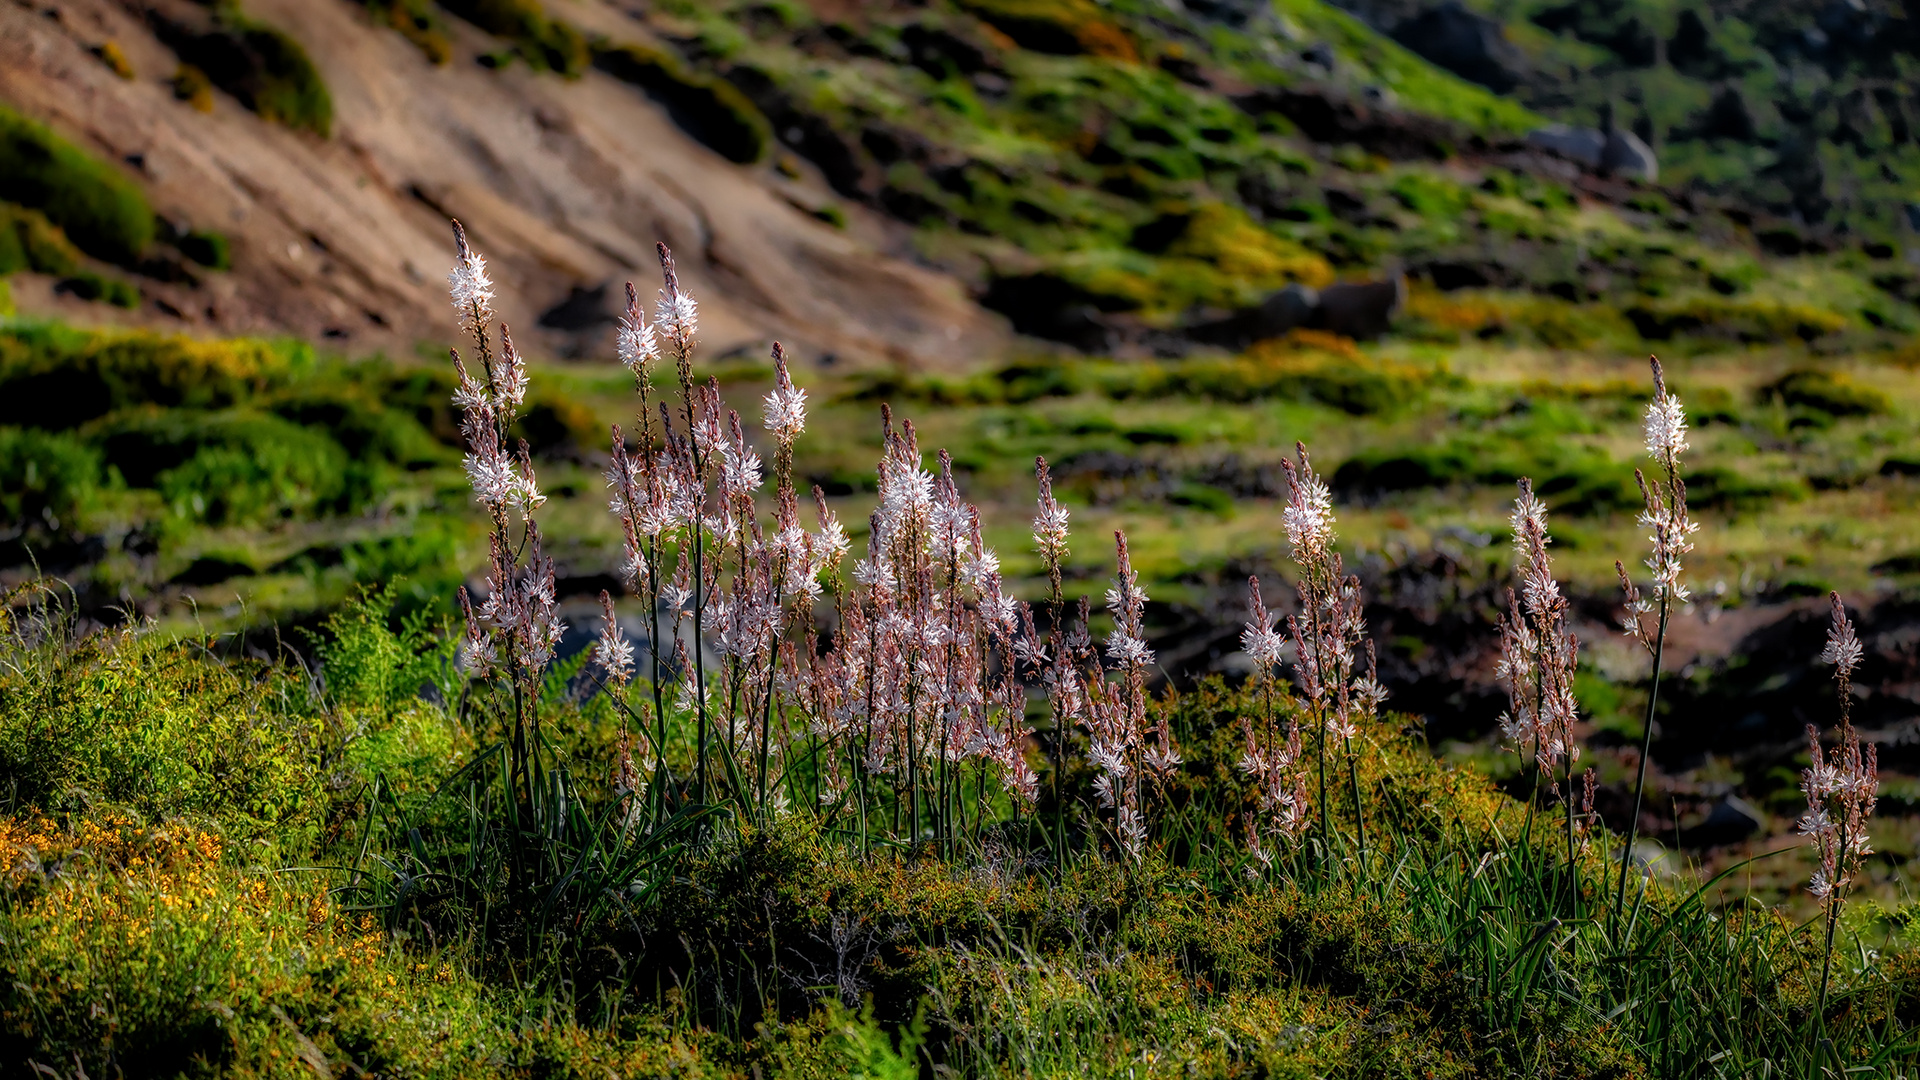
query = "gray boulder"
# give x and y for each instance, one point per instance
(1361, 310)
(1583, 146)
(1625, 155)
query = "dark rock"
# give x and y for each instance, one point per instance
(1448, 276)
(1284, 310)
(1319, 54)
(1625, 154)
(1731, 820)
(1468, 44)
(1361, 310)
(1728, 117)
(583, 309)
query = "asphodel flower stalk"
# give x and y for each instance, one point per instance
(1326, 632)
(1669, 537)
(1841, 790)
(514, 629)
(1538, 658)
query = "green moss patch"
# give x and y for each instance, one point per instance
(546, 43)
(99, 209)
(262, 67)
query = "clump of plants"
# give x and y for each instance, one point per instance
(100, 210)
(760, 743)
(263, 68)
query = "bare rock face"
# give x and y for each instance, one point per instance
(564, 185)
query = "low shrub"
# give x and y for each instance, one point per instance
(58, 377)
(192, 86)
(1572, 476)
(1062, 27)
(418, 22)
(116, 60)
(100, 210)
(545, 43)
(1829, 394)
(234, 466)
(88, 285)
(261, 66)
(161, 728)
(46, 477)
(1306, 365)
(710, 109)
(209, 249)
(28, 241)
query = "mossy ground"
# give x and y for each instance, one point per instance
(189, 924)
(247, 485)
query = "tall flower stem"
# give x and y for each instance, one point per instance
(1646, 751)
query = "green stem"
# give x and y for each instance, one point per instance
(1646, 751)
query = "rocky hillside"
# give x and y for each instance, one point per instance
(337, 232)
(906, 182)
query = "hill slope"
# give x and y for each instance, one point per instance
(569, 184)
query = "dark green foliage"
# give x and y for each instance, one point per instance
(712, 110)
(209, 249)
(546, 44)
(1573, 476)
(232, 467)
(1815, 395)
(233, 459)
(46, 477)
(99, 209)
(418, 22)
(1326, 371)
(261, 66)
(28, 241)
(59, 377)
(157, 727)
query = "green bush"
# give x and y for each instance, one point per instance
(100, 210)
(545, 43)
(263, 68)
(160, 728)
(710, 109)
(58, 377)
(28, 241)
(1826, 393)
(46, 474)
(209, 249)
(235, 466)
(88, 285)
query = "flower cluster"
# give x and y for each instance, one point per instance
(1841, 789)
(514, 627)
(1538, 651)
(1329, 626)
(1275, 764)
(1669, 530)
